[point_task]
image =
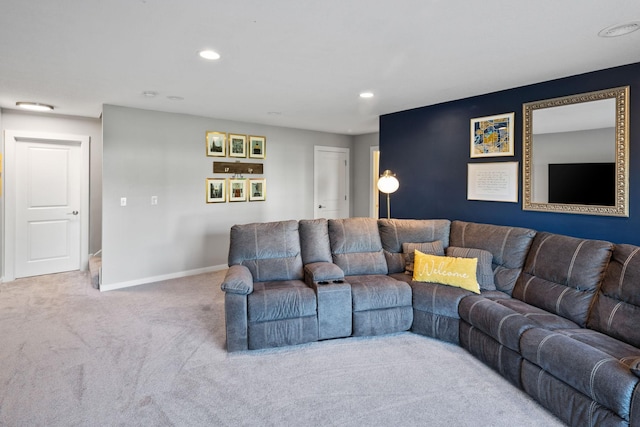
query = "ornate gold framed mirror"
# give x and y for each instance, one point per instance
(576, 154)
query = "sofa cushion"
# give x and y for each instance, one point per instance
(409, 252)
(561, 274)
(284, 299)
(314, 240)
(585, 368)
(617, 306)
(484, 272)
(508, 245)
(356, 246)
(437, 299)
(458, 272)
(395, 232)
(540, 317)
(374, 291)
(270, 250)
(625, 353)
(499, 322)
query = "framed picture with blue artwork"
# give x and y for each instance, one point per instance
(492, 136)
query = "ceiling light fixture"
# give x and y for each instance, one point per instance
(175, 98)
(620, 29)
(366, 95)
(34, 106)
(150, 93)
(209, 54)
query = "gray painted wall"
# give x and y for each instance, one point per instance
(18, 120)
(147, 153)
(361, 167)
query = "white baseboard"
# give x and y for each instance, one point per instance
(153, 279)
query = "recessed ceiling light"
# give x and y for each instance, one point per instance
(34, 106)
(366, 95)
(175, 98)
(620, 29)
(209, 54)
(150, 93)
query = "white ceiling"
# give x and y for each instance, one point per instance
(297, 63)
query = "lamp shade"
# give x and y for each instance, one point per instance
(388, 183)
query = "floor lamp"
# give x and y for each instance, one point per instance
(388, 183)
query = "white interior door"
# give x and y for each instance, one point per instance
(46, 204)
(331, 182)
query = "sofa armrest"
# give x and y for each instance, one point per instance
(238, 280)
(334, 299)
(318, 272)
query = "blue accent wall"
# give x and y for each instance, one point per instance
(428, 150)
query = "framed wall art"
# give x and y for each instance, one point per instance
(216, 190)
(496, 182)
(257, 147)
(216, 144)
(237, 145)
(492, 136)
(257, 189)
(237, 190)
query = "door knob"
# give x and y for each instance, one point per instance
(73, 213)
(320, 206)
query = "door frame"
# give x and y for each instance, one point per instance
(11, 138)
(316, 173)
(374, 174)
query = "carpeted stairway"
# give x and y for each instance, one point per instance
(154, 355)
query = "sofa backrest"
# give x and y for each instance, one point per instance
(561, 274)
(270, 250)
(356, 247)
(314, 240)
(616, 310)
(395, 232)
(508, 245)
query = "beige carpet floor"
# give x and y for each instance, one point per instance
(154, 355)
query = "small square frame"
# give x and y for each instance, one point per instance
(216, 144)
(257, 147)
(492, 136)
(237, 145)
(216, 190)
(237, 190)
(257, 189)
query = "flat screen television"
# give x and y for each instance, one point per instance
(582, 183)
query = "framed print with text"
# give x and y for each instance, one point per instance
(496, 182)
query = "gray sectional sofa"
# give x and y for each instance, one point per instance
(560, 318)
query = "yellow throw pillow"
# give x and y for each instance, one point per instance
(452, 271)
